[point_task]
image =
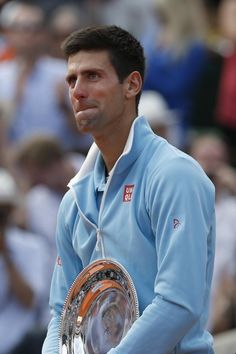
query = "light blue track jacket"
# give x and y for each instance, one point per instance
(156, 218)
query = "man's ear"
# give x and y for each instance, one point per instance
(133, 84)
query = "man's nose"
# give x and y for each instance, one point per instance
(79, 90)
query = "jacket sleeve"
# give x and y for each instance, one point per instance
(180, 199)
(67, 267)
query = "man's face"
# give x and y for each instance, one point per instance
(98, 99)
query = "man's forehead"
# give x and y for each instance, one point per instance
(89, 58)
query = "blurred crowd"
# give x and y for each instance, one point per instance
(189, 98)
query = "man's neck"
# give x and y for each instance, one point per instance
(112, 145)
(111, 151)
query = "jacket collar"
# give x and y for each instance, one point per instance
(136, 141)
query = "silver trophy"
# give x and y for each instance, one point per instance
(100, 307)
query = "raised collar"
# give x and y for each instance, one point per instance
(136, 141)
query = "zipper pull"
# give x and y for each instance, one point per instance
(98, 243)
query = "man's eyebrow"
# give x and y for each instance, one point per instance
(91, 70)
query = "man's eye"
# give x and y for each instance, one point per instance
(71, 81)
(92, 76)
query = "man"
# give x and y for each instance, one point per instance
(137, 200)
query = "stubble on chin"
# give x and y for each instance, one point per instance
(85, 124)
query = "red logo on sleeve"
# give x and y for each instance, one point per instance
(128, 191)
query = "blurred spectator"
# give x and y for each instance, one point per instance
(215, 92)
(177, 56)
(136, 16)
(50, 6)
(22, 268)
(34, 83)
(161, 119)
(45, 170)
(4, 122)
(63, 20)
(211, 152)
(6, 52)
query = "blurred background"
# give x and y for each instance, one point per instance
(189, 98)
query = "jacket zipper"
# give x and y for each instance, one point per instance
(100, 241)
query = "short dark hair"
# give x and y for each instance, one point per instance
(125, 52)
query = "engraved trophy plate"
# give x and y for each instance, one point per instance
(100, 308)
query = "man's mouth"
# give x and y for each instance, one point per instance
(82, 105)
(83, 109)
